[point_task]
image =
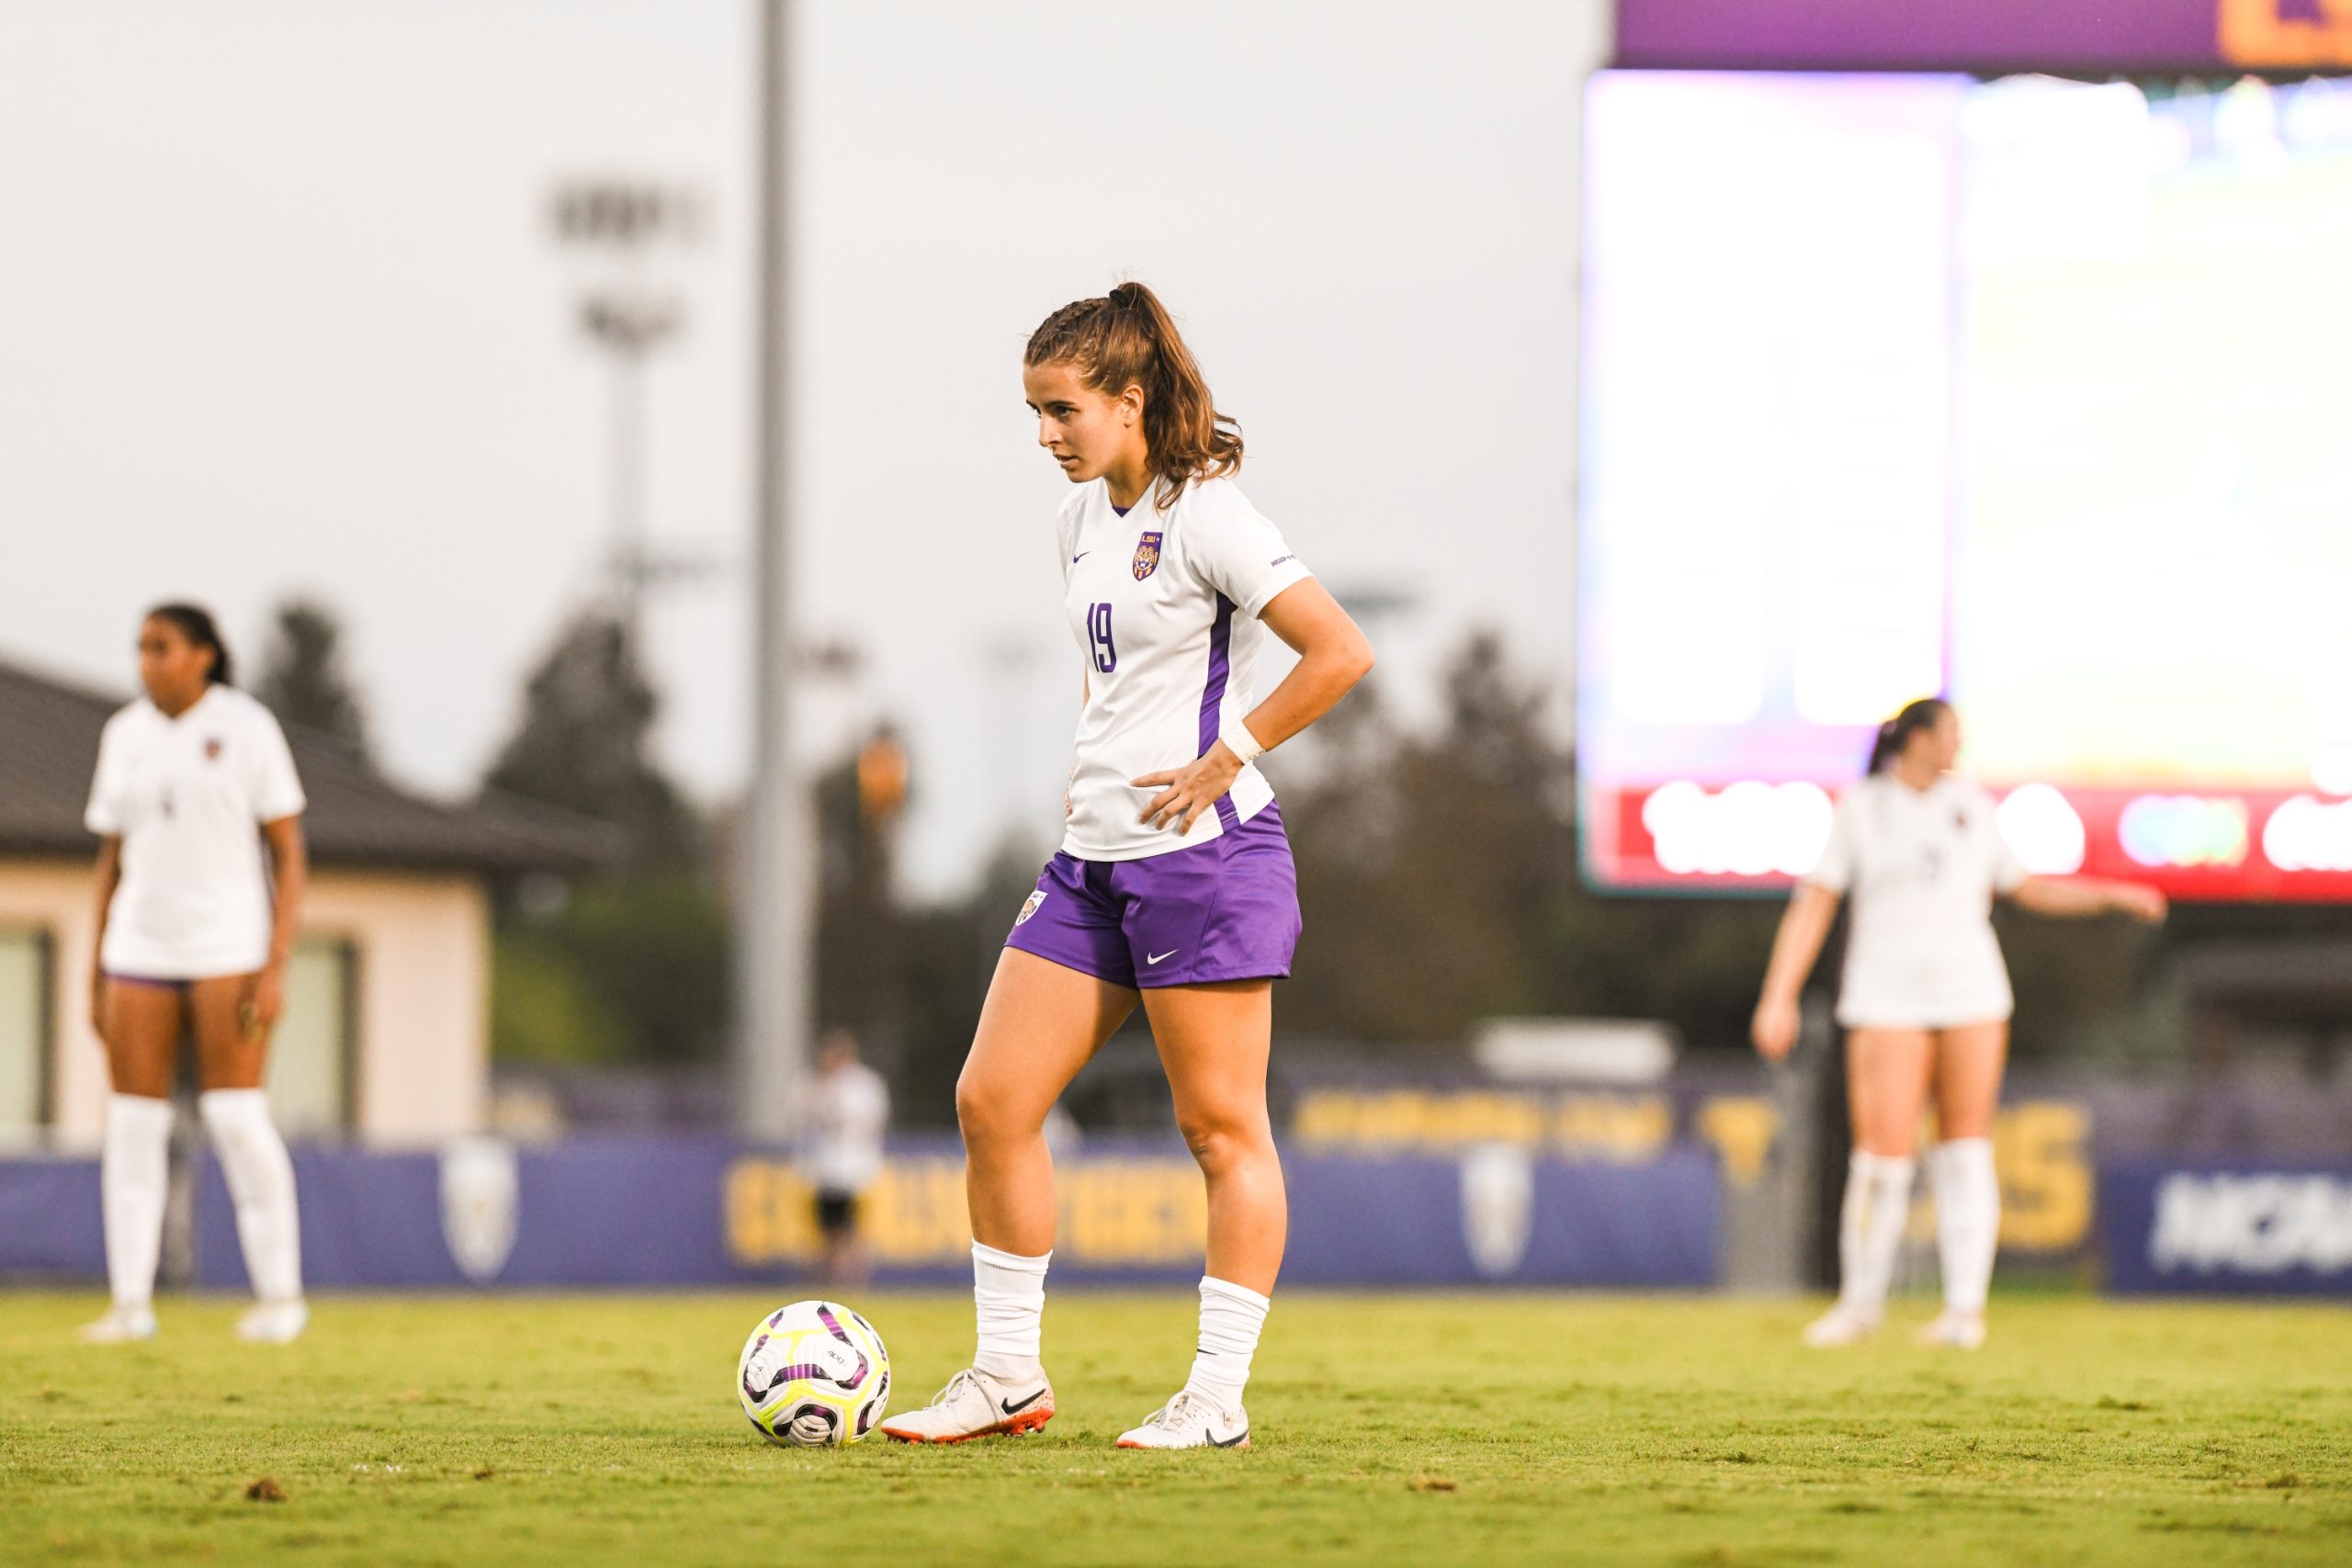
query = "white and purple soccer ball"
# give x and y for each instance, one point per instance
(814, 1375)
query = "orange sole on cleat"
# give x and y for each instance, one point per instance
(1024, 1425)
(1235, 1446)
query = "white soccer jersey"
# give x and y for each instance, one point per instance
(848, 1113)
(186, 796)
(1165, 606)
(1922, 867)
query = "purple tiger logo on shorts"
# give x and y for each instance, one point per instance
(1147, 556)
(1030, 908)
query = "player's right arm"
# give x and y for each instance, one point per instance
(110, 878)
(1803, 929)
(105, 817)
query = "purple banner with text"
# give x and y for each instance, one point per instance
(655, 1212)
(2227, 1227)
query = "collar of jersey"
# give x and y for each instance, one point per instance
(186, 713)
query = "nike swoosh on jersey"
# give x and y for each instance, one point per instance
(1158, 956)
(1080, 556)
(1013, 1407)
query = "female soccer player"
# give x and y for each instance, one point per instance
(1926, 1006)
(1174, 882)
(194, 932)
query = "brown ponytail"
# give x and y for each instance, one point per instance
(1896, 732)
(1129, 339)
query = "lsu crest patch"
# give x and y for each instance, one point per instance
(212, 748)
(1147, 556)
(1030, 908)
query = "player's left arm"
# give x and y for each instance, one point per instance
(2089, 895)
(289, 873)
(1333, 655)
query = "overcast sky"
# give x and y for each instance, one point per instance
(282, 312)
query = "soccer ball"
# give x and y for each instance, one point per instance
(814, 1375)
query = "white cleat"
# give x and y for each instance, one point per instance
(1843, 1324)
(1956, 1331)
(975, 1404)
(1189, 1421)
(120, 1326)
(275, 1323)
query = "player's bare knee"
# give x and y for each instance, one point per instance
(1219, 1142)
(987, 1115)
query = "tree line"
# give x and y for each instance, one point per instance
(1438, 868)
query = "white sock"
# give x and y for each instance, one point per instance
(133, 1173)
(1870, 1228)
(1009, 1295)
(1231, 1316)
(1968, 1220)
(261, 1184)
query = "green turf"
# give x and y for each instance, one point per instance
(1488, 1429)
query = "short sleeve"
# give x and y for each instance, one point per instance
(276, 788)
(106, 815)
(1834, 872)
(1240, 554)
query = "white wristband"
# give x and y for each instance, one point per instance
(1240, 742)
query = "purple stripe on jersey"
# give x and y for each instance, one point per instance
(1212, 698)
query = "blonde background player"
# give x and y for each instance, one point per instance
(194, 929)
(1174, 885)
(1926, 1005)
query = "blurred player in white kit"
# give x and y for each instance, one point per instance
(1926, 1005)
(849, 1109)
(202, 868)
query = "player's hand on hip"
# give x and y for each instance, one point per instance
(1186, 792)
(1774, 1028)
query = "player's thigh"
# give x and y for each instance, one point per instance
(142, 1036)
(1042, 1023)
(1969, 1064)
(228, 1055)
(1214, 1040)
(1886, 1086)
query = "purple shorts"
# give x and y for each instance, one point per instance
(182, 987)
(1224, 910)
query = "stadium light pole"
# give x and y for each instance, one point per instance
(774, 1002)
(614, 226)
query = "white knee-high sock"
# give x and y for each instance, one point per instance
(1009, 1299)
(133, 1174)
(1968, 1220)
(1231, 1316)
(1870, 1227)
(261, 1184)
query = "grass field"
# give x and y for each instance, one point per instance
(1491, 1429)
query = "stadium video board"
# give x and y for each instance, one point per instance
(2034, 393)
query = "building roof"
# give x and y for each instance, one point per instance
(48, 746)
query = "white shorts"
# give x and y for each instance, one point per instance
(1928, 1020)
(1923, 987)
